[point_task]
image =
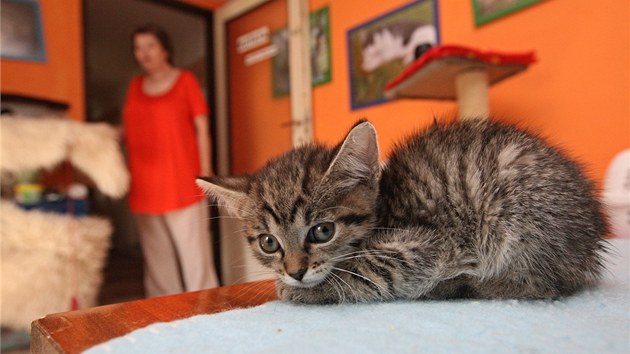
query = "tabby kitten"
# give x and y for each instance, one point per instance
(467, 209)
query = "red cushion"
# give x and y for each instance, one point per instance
(432, 76)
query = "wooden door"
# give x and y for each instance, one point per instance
(260, 119)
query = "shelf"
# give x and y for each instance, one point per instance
(457, 73)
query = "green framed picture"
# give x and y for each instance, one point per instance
(490, 10)
(280, 81)
(320, 46)
(319, 54)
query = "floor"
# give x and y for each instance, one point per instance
(122, 277)
(122, 281)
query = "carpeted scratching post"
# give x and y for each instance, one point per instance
(458, 73)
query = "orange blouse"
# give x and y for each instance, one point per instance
(162, 148)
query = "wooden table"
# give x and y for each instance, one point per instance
(73, 332)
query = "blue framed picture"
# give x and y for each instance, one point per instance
(381, 48)
(22, 34)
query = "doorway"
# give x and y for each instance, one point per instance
(109, 62)
(109, 67)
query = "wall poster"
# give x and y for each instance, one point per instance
(489, 10)
(381, 48)
(22, 36)
(319, 56)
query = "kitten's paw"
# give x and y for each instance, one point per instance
(293, 294)
(314, 295)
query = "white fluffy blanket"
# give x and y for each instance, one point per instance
(593, 321)
(31, 143)
(46, 258)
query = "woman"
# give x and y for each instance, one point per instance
(165, 120)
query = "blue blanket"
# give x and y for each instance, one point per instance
(593, 321)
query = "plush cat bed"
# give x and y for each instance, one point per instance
(594, 321)
(41, 264)
(49, 260)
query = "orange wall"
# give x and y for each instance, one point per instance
(60, 78)
(576, 95)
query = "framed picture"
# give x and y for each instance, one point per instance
(380, 49)
(489, 10)
(320, 46)
(280, 81)
(319, 56)
(21, 30)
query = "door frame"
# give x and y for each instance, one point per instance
(299, 72)
(234, 248)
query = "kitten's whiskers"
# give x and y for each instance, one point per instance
(348, 285)
(340, 295)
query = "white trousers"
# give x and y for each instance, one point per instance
(177, 251)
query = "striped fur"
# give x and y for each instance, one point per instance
(467, 209)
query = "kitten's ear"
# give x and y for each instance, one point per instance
(230, 192)
(358, 157)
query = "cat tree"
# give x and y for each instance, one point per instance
(458, 73)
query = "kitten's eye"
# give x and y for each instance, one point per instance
(268, 243)
(321, 233)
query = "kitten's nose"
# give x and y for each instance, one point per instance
(298, 275)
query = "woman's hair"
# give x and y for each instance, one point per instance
(160, 34)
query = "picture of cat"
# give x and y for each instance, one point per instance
(474, 208)
(380, 49)
(398, 42)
